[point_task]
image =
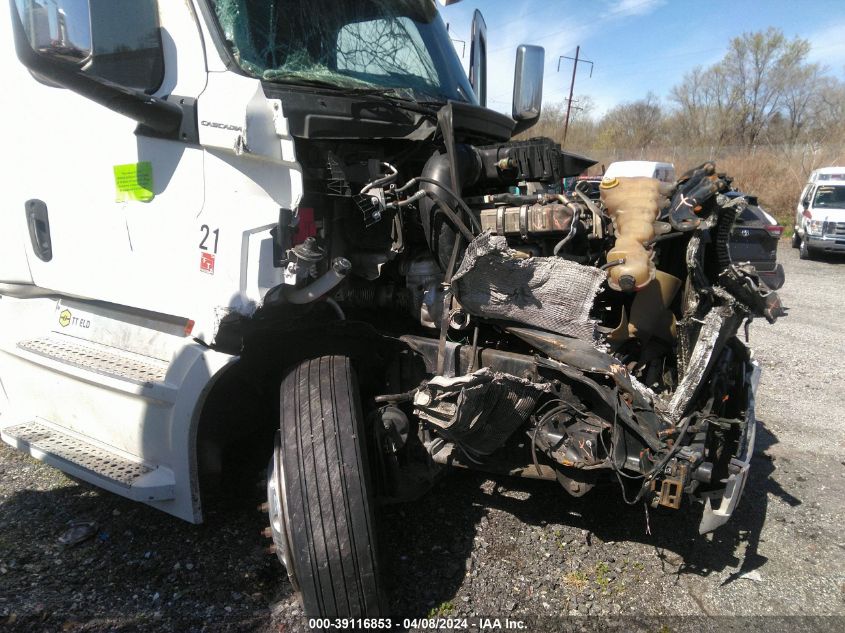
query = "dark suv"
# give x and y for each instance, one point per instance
(754, 239)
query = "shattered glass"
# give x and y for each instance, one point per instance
(550, 293)
(374, 44)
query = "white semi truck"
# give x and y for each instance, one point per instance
(293, 227)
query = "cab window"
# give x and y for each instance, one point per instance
(829, 197)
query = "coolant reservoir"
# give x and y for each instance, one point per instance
(633, 204)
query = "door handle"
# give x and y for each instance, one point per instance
(39, 229)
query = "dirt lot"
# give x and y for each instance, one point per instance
(475, 547)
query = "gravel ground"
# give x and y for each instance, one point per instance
(478, 547)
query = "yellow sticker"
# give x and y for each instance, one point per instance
(64, 318)
(134, 182)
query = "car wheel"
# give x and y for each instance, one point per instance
(324, 517)
(805, 252)
(796, 240)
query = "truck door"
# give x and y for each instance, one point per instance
(115, 201)
(803, 205)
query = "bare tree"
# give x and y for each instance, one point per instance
(804, 88)
(761, 66)
(581, 124)
(637, 124)
(763, 89)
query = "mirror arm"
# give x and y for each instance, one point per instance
(152, 112)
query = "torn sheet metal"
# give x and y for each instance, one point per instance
(586, 357)
(550, 293)
(478, 411)
(744, 283)
(712, 335)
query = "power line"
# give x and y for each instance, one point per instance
(572, 84)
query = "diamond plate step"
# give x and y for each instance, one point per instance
(74, 455)
(101, 359)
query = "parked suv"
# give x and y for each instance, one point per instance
(754, 239)
(820, 214)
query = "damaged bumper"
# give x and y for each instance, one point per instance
(719, 507)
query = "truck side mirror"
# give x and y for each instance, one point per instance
(51, 33)
(528, 86)
(478, 58)
(61, 47)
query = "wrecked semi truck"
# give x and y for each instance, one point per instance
(293, 229)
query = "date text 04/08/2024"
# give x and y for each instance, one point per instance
(435, 624)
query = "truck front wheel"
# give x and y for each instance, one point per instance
(805, 252)
(321, 517)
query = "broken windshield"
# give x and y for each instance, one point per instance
(397, 45)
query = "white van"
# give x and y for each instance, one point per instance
(820, 213)
(664, 172)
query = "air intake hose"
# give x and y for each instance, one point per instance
(439, 232)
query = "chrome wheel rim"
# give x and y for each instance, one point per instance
(277, 509)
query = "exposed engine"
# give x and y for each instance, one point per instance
(542, 333)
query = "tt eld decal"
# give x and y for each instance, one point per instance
(66, 319)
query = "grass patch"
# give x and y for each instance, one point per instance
(442, 610)
(602, 580)
(576, 579)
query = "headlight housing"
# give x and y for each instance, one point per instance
(814, 227)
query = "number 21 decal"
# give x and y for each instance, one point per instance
(207, 232)
(208, 252)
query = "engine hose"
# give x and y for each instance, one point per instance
(445, 209)
(320, 286)
(470, 215)
(573, 227)
(662, 238)
(598, 229)
(380, 182)
(436, 179)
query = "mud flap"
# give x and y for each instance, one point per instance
(728, 499)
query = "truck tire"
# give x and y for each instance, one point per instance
(796, 239)
(805, 252)
(327, 491)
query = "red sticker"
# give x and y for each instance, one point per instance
(207, 263)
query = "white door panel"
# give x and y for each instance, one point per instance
(201, 247)
(130, 252)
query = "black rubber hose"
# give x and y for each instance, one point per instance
(439, 233)
(470, 215)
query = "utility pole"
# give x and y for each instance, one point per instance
(576, 59)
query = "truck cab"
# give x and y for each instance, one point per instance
(288, 236)
(820, 214)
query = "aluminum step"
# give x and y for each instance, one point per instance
(100, 364)
(82, 458)
(101, 359)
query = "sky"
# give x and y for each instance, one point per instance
(636, 46)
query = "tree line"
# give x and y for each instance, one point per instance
(763, 93)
